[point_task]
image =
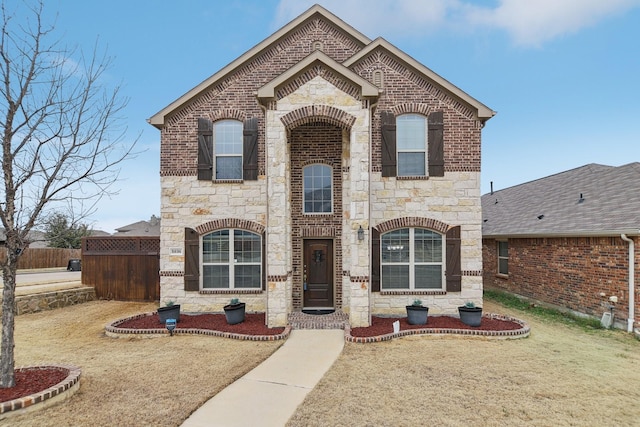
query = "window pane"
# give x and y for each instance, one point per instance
(410, 132)
(228, 167)
(215, 276)
(428, 246)
(503, 249)
(503, 266)
(395, 246)
(395, 276)
(428, 276)
(247, 276)
(228, 137)
(317, 189)
(215, 247)
(411, 164)
(247, 247)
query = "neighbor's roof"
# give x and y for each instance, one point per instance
(140, 228)
(592, 200)
(484, 113)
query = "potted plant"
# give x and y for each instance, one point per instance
(416, 313)
(169, 311)
(470, 314)
(234, 311)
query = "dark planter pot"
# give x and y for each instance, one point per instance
(234, 313)
(170, 312)
(417, 315)
(471, 316)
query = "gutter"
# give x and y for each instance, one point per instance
(632, 262)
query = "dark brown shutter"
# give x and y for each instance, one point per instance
(453, 272)
(435, 143)
(205, 149)
(191, 260)
(388, 132)
(375, 260)
(250, 150)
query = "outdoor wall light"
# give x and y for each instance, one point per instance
(360, 233)
(170, 325)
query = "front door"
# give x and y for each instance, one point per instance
(318, 273)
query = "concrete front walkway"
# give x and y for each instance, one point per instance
(270, 394)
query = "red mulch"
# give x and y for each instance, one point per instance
(384, 325)
(32, 380)
(254, 324)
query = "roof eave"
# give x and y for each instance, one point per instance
(580, 233)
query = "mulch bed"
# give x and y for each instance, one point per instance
(31, 381)
(384, 325)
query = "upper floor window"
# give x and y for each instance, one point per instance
(227, 149)
(231, 259)
(317, 189)
(412, 258)
(503, 258)
(411, 138)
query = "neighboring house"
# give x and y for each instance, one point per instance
(321, 169)
(140, 228)
(568, 240)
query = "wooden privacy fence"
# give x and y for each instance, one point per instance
(43, 257)
(122, 268)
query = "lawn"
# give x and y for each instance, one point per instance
(560, 375)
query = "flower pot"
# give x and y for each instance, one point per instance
(234, 313)
(169, 312)
(471, 316)
(417, 314)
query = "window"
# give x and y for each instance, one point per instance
(231, 259)
(317, 191)
(227, 149)
(503, 258)
(412, 142)
(411, 258)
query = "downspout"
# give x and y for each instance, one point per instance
(632, 262)
(372, 108)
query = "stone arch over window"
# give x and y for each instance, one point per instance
(314, 113)
(218, 224)
(411, 107)
(227, 113)
(412, 222)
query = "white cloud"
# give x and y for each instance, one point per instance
(528, 23)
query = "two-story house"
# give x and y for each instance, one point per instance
(321, 169)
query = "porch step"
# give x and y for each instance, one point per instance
(335, 320)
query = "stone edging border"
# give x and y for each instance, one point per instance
(523, 332)
(63, 390)
(112, 330)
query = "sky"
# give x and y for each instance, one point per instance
(562, 75)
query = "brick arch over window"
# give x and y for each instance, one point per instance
(219, 224)
(412, 222)
(453, 248)
(313, 113)
(227, 113)
(411, 107)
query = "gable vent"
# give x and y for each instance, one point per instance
(378, 78)
(317, 45)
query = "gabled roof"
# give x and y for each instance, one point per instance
(141, 228)
(484, 112)
(157, 119)
(592, 200)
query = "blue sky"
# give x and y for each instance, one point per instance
(562, 75)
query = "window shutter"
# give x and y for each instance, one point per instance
(191, 260)
(375, 260)
(435, 142)
(453, 271)
(205, 149)
(250, 150)
(388, 132)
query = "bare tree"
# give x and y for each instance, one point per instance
(62, 138)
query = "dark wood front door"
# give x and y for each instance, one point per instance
(318, 273)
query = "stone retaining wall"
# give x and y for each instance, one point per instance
(49, 300)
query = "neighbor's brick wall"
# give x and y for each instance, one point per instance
(566, 272)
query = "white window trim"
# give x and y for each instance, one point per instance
(215, 155)
(303, 190)
(412, 262)
(423, 151)
(231, 263)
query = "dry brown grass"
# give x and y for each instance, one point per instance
(130, 381)
(559, 376)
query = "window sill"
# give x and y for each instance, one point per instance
(502, 276)
(228, 181)
(412, 178)
(413, 292)
(229, 291)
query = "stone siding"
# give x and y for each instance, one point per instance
(35, 303)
